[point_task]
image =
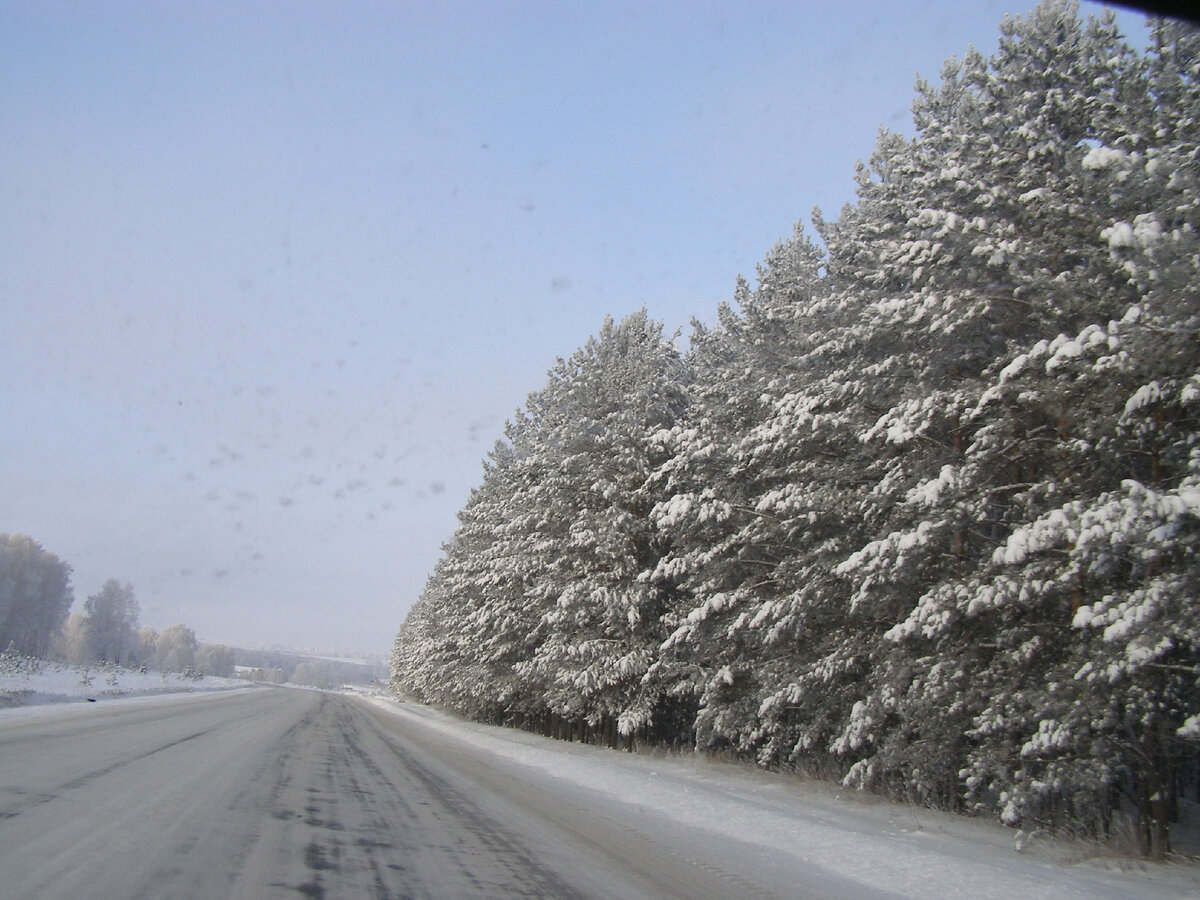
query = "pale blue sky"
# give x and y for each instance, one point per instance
(273, 275)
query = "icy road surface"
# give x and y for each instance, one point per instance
(287, 793)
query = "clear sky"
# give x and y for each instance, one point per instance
(274, 274)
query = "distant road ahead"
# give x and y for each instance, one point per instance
(288, 793)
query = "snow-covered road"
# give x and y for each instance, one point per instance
(285, 793)
(294, 793)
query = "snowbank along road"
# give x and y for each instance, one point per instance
(285, 793)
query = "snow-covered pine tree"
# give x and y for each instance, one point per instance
(997, 168)
(541, 612)
(473, 623)
(601, 615)
(1117, 545)
(1055, 453)
(761, 482)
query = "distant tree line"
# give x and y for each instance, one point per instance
(922, 511)
(282, 667)
(35, 600)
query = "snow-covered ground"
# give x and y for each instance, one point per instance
(884, 846)
(34, 685)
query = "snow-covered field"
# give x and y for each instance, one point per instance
(885, 847)
(42, 683)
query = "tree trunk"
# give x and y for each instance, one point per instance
(1154, 805)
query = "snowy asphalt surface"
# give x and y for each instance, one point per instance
(285, 793)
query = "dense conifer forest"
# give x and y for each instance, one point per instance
(921, 511)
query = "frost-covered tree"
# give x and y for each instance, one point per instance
(175, 649)
(314, 673)
(110, 619)
(70, 643)
(147, 641)
(35, 595)
(214, 659)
